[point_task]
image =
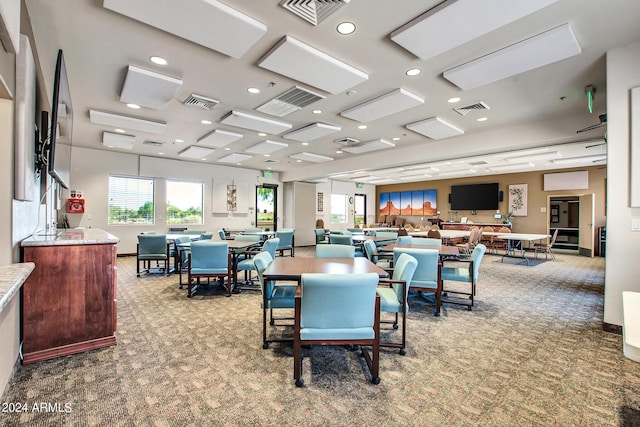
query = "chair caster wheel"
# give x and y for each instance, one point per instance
(300, 382)
(265, 345)
(437, 314)
(402, 352)
(375, 380)
(272, 322)
(469, 308)
(395, 326)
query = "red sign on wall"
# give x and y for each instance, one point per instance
(75, 205)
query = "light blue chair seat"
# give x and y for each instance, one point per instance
(458, 274)
(247, 264)
(208, 259)
(467, 274)
(389, 301)
(427, 277)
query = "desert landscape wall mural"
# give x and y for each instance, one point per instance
(410, 203)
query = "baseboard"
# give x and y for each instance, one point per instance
(614, 329)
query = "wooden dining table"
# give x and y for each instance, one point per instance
(292, 269)
(443, 250)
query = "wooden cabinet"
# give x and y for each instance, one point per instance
(461, 226)
(69, 301)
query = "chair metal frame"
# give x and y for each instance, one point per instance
(193, 287)
(474, 264)
(546, 247)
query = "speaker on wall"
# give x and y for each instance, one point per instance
(449, 197)
(500, 195)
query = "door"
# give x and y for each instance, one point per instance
(586, 219)
(360, 209)
(266, 209)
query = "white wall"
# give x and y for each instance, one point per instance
(90, 170)
(622, 267)
(349, 189)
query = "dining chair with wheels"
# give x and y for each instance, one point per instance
(208, 259)
(337, 309)
(273, 297)
(222, 235)
(182, 248)
(467, 274)
(335, 251)
(394, 294)
(546, 247)
(287, 241)
(247, 265)
(152, 247)
(427, 279)
(382, 260)
(321, 237)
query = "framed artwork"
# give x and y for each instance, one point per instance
(232, 198)
(518, 199)
(320, 202)
(385, 207)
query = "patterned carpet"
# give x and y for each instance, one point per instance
(532, 352)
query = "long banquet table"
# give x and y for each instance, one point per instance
(286, 268)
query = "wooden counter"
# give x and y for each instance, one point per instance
(69, 300)
(465, 226)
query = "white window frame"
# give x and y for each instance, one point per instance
(168, 183)
(132, 198)
(339, 201)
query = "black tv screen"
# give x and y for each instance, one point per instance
(59, 159)
(474, 197)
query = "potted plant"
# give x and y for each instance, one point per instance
(507, 218)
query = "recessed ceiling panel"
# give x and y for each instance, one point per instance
(126, 122)
(253, 122)
(299, 61)
(148, 88)
(311, 157)
(384, 105)
(266, 147)
(545, 48)
(365, 147)
(456, 22)
(206, 22)
(235, 158)
(435, 128)
(195, 152)
(219, 138)
(311, 132)
(118, 140)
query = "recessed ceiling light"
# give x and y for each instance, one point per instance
(298, 161)
(203, 158)
(119, 130)
(413, 71)
(453, 100)
(267, 155)
(205, 122)
(262, 134)
(397, 138)
(339, 152)
(362, 127)
(482, 119)
(158, 60)
(305, 143)
(134, 106)
(346, 28)
(179, 140)
(253, 90)
(317, 111)
(161, 153)
(227, 149)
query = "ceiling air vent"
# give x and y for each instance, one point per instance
(478, 106)
(200, 101)
(478, 163)
(351, 142)
(313, 11)
(272, 161)
(286, 103)
(153, 143)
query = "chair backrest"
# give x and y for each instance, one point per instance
(335, 251)
(427, 271)
(148, 232)
(261, 261)
(553, 238)
(355, 230)
(270, 246)
(247, 238)
(152, 244)
(370, 249)
(426, 241)
(319, 223)
(180, 240)
(476, 257)
(434, 227)
(403, 232)
(253, 230)
(404, 240)
(372, 232)
(209, 254)
(286, 237)
(206, 236)
(387, 234)
(222, 235)
(341, 239)
(404, 270)
(434, 234)
(320, 235)
(338, 301)
(504, 230)
(196, 232)
(473, 236)
(381, 219)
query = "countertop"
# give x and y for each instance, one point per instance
(71, 236)
(11, 278)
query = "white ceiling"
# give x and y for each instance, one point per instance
(540, 109)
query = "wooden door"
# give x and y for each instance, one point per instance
(586, 219)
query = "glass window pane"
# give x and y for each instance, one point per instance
(338, 209)
(130, 200)
(184, 202)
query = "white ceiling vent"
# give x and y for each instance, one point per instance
(313, 11)
(478, 106)
(478, 163)
(200, 101)
(347, 141)
(153, 143)
(286, 103)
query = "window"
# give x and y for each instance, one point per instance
(338, 209)
(184, 202)
(130, 200)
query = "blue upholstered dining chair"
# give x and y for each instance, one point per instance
(394, 294)
(247, 264)
(152, 247)
(222, 235)
(467, 274)
(287, 241)
(337, 309)
(426, 241)
(208, 259)
(404, 240)
(335, 251)
(273, 296)
(371, 252)
(321, 237)
(206, 236)
(181, 256)
(427, 277)
(341, 239)
(391, 235)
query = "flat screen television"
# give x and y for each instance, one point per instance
(475, 197)
(59, 158)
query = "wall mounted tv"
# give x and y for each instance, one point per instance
(475, 197)
(60, 131)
